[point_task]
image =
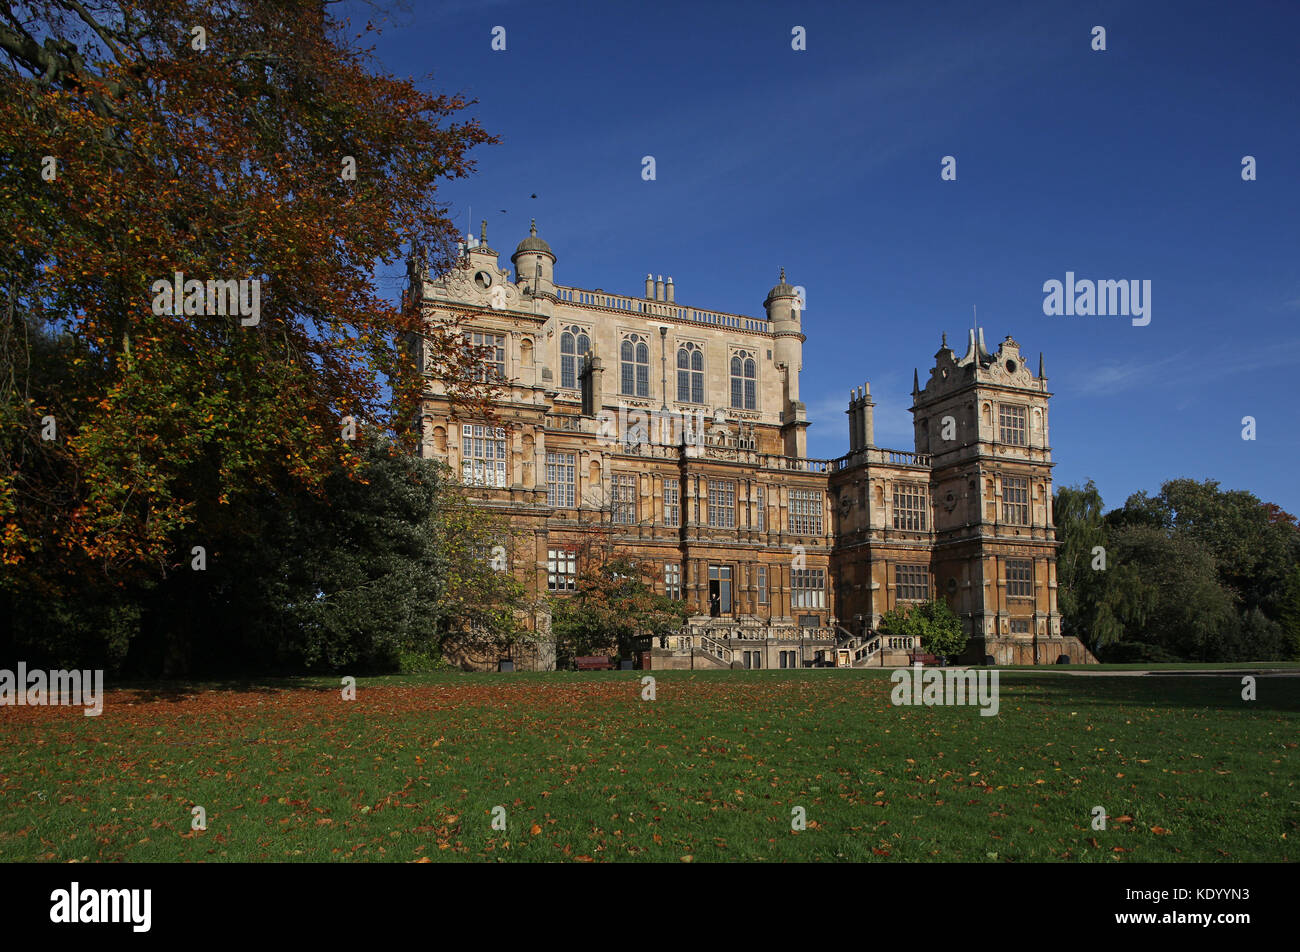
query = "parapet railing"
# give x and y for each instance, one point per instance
(880, 455)
(666, 309)
(759, 633)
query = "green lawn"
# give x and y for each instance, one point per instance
(708, 771)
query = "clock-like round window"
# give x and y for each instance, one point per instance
(483, 279)
(1011, 366)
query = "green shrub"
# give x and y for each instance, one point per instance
(421, 662)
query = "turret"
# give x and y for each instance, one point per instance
(785, 321)
(784, 318)
(534, 263)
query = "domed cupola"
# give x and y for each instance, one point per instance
(780, 290)
(533, 243)
(783, 306)
(534, 263)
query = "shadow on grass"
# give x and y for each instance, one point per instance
(1165, 689)
(177, 691)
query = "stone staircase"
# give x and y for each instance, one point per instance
(863, 651)
(874, 650)
(719, 643)
(712, 651)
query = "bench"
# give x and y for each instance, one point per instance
(920, 657)
(594, 663)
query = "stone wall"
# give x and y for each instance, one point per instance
(483, 655)
(1021, 651)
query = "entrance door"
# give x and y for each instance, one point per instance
(719, 590)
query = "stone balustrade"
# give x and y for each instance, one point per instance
(662, 309)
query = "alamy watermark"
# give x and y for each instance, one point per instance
(77, 905)
(633, 427)
(212, 298)
(930, 687)
(1086, 298)
(37, 688)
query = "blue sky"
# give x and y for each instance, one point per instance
(1122, 164)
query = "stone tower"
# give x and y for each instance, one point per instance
(982, 418)
(784, 312)
(534, 263)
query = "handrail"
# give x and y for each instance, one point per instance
(715, 648)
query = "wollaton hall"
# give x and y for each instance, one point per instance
(783, 561)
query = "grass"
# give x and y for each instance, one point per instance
(1163, 667)
(709, 771)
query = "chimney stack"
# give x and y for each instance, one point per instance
(861, 419)
(659, 288)
(649, 287)
(669, 289)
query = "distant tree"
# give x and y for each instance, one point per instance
(1289, 613)
(1253, 544)
(933, 622)
(1195, 572)
(1085, 567)
(1252, 636)
(1172, 598)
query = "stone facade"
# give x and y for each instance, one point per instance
(678, 433)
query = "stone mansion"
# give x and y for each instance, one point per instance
(783, 561)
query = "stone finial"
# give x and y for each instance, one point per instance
(944, 342)
(782, 276)
(482, 233)
(532, 231)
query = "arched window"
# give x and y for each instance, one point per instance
(634, 366)
(643, 369)
(744, 386)
(574, 342)
(690, 374)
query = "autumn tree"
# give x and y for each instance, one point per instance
(613, 609)
(148, 143)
